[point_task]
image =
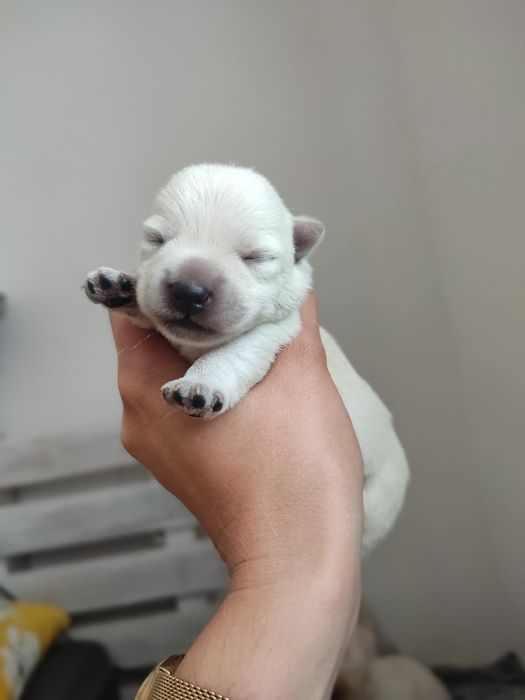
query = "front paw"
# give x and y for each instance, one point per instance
(197, 399)
(110, 287)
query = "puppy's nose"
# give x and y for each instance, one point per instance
(189, 297)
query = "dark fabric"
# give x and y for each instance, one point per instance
(502, 680)
(73, 671)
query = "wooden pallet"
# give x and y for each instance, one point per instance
(84, 526)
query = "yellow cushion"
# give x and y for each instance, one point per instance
(26, 632)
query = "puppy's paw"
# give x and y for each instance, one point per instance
(197, 399)
(110, 287)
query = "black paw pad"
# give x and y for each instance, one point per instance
(115, 302)
(104, 282)
(198, 401)
(178, 398)
(217, 406)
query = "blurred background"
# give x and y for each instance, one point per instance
(400, 124)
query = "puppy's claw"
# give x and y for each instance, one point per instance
(195, 400)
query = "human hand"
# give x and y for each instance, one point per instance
(276, 483)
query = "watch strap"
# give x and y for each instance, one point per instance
(162, 684)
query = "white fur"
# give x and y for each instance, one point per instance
(367, 675)
(396, 677)
(230, 224)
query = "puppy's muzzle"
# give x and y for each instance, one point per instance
(188, 297)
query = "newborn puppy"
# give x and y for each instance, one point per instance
(223, 274)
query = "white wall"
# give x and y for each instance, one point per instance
(462, 82)
(398, 123)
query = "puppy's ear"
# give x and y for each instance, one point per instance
(156, 225)
(307, 233)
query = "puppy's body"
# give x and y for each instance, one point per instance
(223, 274)
(385, 464)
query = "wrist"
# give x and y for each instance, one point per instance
(282, 640)
(293, 550)
(288, 532)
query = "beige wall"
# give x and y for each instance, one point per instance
(397, 122)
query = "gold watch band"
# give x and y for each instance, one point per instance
(162, 684)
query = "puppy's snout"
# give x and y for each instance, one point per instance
(189, 297)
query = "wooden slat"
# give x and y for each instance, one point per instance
(111, 512)
(183, 567)
(77, 504)
(50, 458)
(145, 640)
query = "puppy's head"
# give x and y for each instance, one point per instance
(221, 254)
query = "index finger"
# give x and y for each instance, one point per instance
(309, 313)
(143, 349)
(125, 333)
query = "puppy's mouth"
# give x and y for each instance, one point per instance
(187, 324)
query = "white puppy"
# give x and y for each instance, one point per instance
(222, 276)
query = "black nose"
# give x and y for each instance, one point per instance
(189, 297)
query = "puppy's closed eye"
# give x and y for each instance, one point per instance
(156, 230)
(154, 237)
(258, 256)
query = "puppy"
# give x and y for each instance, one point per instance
(223, 274)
